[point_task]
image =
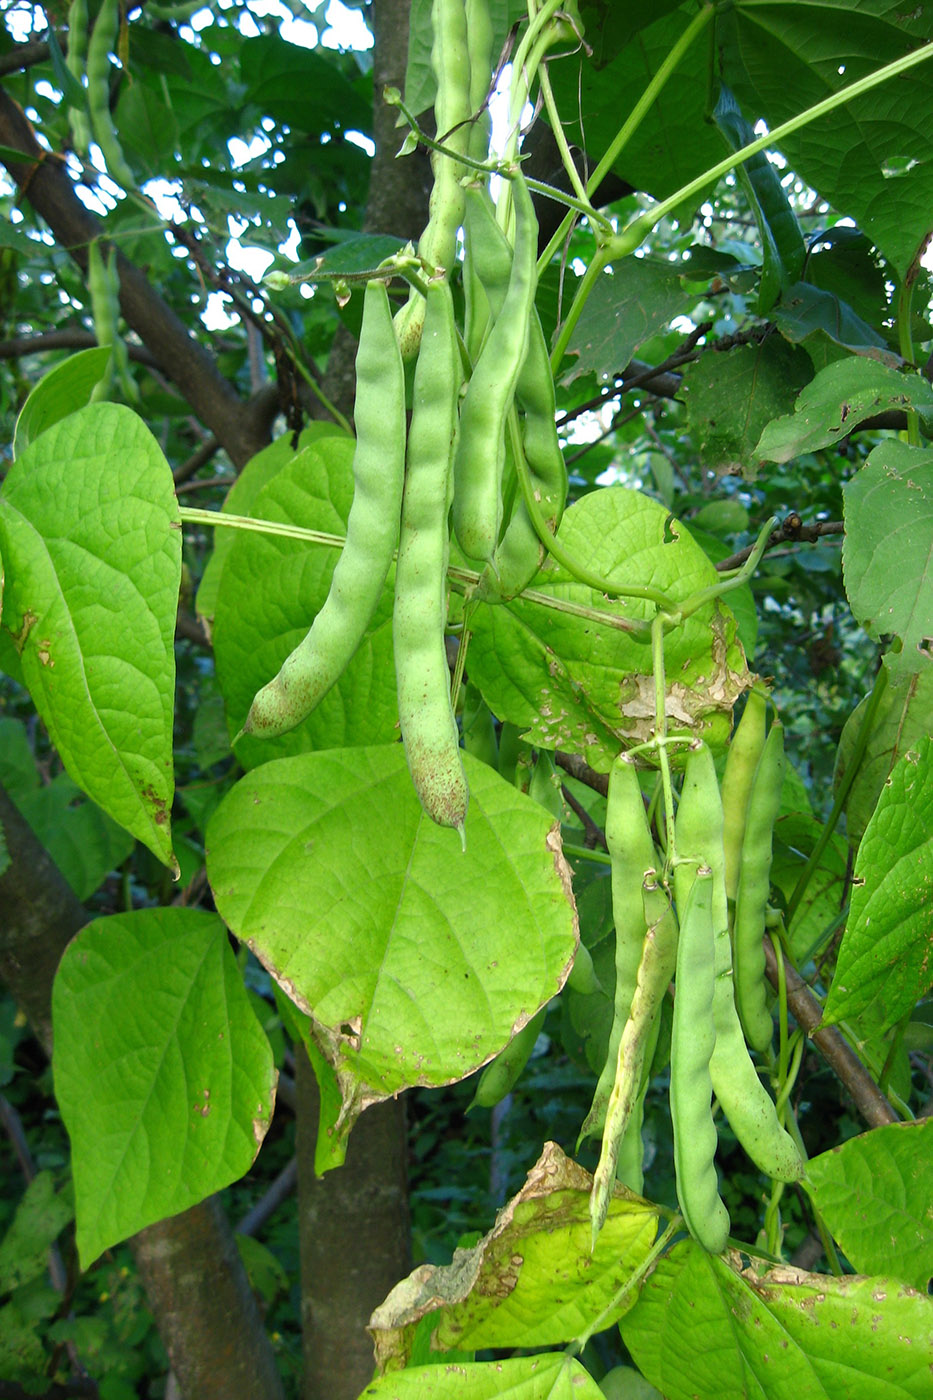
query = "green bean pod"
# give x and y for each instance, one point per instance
(105, 310)
(741, 1094)
(632, 855)
(692, 1040)
(502, 1074)
(319, 661)
(103, 37)
(426, 719)
(77, 60)
(741, 762)
(752, 897)
(480, 453)
(479, 43)
(520, 553)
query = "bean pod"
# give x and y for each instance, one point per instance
(692, 1040)
(103, 38)
(751, 901)
(426, 719)
(502, 1074)
(319, 661)
(741, 762)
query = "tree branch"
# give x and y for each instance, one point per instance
(44, 181)
(845, 1064)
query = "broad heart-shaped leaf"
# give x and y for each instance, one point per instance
(730, 397)
(782, 58)
(163, 1074)
(577, 684)
(533, 1280)
(904, 715)
(704, 1329)
(417, 961)
(91, 543)
(884, 956)
(269, 592)
(836, 401)
(61, 391)
(625, 308)
(875, 1193)
(887, 556)
(257, 473)
(553, 1376)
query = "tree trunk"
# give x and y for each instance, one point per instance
(199, 1292)
(355, 1240)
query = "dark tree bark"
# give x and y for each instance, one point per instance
(355, 1240)
(198, 1289)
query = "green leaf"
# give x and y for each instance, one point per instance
(548, 1377)
(887, 555)
(795, 836)
(677, 142)
(376, 923)
(904, 715)
(147, 127)
(732, 396)
(836, 401)
(301, 87)
(875, 1193)
(59, 392)
(81, 839)
(257, 473)
(330, 1150)
(18, 772)
(780, 59)
(163, 1074)
(809, 316)
(703, 1329)
(91, 541)
(270, 590)
(532, 1281)
(39, 1219)
(884, 956)
(782, 244)
(625, 308)
(581, 685)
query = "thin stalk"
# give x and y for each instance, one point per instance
(773, 138)
(190, 515)
(557, 128)
(716, 590)
(861, 743)
(660, 723)
(632, 123)
(566, 559)
(569, 848)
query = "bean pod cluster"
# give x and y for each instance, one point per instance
(713, 946)
(481, 413)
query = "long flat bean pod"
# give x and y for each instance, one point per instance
(77, 60)
(429, 729)
(741, 1093)
(632, 855)
(738, 776)
(319, 661)
(481, 448)
(692, 1039)
(520, 552)
(103, 37)
(752, 896)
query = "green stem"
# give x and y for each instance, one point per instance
(569, 848)
(461, 578)
(864, 733)
(716, 590)
(573, 566)
(660, 733)
(773, 138)
(633, 121)
(557, 128)
(905, 299)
